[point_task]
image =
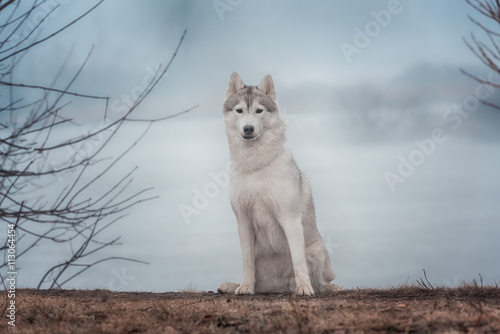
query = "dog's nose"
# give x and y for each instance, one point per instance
(248, 129)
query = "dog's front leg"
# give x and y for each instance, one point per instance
(247, 241)
(292, 226)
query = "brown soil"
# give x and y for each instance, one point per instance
(468, 309)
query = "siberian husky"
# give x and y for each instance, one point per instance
(281, 247)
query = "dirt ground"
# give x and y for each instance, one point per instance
(410, 309)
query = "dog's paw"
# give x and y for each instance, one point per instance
(244, 290)
(228, 287)
(304, 290)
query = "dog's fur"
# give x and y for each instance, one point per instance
(281, 247)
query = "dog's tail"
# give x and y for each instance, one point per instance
(228, 287)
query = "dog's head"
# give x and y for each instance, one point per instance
(251, 110)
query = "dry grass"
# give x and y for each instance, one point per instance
(407, 309)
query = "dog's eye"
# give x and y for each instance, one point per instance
(239, 111)
(258, 111)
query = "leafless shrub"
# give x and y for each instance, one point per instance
(30, 117)
(487, 52)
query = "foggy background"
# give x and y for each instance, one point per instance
(397, 107)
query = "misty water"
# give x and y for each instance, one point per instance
(443, 218)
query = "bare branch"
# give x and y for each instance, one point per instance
(162, 118)
(62, 91)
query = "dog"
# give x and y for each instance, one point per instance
(271, 198)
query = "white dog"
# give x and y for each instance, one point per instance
(281, 247)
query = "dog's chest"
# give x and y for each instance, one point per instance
(269, 235)
(259, 200)
(256, 194)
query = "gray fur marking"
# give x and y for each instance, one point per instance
(248, 94)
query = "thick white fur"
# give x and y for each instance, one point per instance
(281, 247)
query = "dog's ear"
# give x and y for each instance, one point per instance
(267, 86)
(235, 84)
